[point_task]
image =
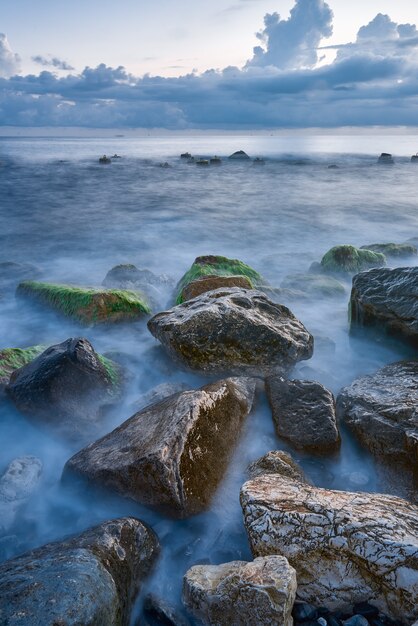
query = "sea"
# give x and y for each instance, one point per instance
(75, 218)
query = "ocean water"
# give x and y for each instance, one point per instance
(76, 219)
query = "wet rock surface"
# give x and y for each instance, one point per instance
(233, 330)
(276, 462)
(91, 579)
(158, 393)
(386, 300)
(346, 547)
(346, 259)
(304, 414)
(12, 359)
(158, 612)
(173, 454)
(19, 481)
(258, 593)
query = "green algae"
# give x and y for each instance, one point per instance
(216, 266)
(113, 371)
(12, 359)
(87, 305)
(350, 259)
(394, 250)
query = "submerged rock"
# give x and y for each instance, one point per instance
(314, 285)
(87, 305)
(386, 158)
(65, 387)
(259, 593)
(128, 276)
(233, 330)
(12, 359)
(345, 547)
(393, 250)
(91, 579)
(216, 266)
(386, 300)
(350, 260)
(171, 455)
(17, 484)
(277, 462)
(304, 414)
(209, 283)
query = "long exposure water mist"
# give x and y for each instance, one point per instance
(75, 219)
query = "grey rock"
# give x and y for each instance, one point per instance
(91, 579)
(386, 300)
(17, 484)
(304, 414)
(155, 287)
(233, 330)
(161, 612)
(393, 250)
(239, 155)
(276, 462)
(344, 546)
(356, 620)
(259, 593)
(171, 455)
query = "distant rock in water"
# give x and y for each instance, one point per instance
(385, 159)
(90, 579)
(17, 485)
(156, 287)
(210, 266)
(385, 300)
(258, 593)
(12, 359)
(13, 273)
(314, 285)
(239, 155)
(171, 455)
(65, 388)
(393, 250)
(233, 330)
(87, 305)
(347, 259)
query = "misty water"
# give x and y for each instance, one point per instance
(75, 219)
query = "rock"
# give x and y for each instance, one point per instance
(127, 276)
(276, 462)
(13, 273)
(303, 612)
(171, 455)
(259, 593)
(65, 387)
(158, 393)
(209, 283)
(158, 611)
(393, 250)
(385, 158)
(386, 300)
(304, 414)
(217, 266)
(12, 359)
(365, 609)
(382, 410)
(233, 330)
(345, 547)
(350, 260)
(17, 484)
(314, 285)
(239, 155)
(87, 305)
(356, 620)
(91, 579)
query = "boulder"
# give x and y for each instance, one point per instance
(209, 283)
(304, 414)
(347, 259)
(314, 285)
(235, 331)
(19, 481)
(277, 462)
(217, 266)
(87, 305)
(259, 593)
(159, 612)
(127, 276)
(393, 250)
(386, 300)
(171, 455)
(65, 388)
(345, 547)
(382, 410)
(91, 579)
(239, 155)
(12, 359)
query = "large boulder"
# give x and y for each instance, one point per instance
(17, 484)
(12, 359)
(173, 454)
(304, 414)
(87, 305)
(65, 388)
(345, 547)
(91, 579)
(393, 250)
(386, 300)
(382, 410)
(259, 593)
(233, 330)
(346, 259)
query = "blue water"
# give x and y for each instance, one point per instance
(75, 219)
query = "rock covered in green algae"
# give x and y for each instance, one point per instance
(217, 266)
(351, 260)
(91, 579)
(87, 305)
(393, 250)
(12, 359)
(314, 285)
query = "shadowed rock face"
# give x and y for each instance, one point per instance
(387, 300)
(233, 330)
(304, 414)
(171, 455)
(91, 579)
(345, 547)
(260, 593)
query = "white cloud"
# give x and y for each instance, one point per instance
(51, 61)
(9, 61)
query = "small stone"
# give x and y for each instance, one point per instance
(302, 612)
(356, 620)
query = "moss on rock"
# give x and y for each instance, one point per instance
(12, 359)
(393, 250)
(216, 266)
(87, 305)
(314, 285)
(349, 259)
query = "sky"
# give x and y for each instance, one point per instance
(221, 64)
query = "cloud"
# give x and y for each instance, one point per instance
(9, 61)
(52, 62)
(293, 43)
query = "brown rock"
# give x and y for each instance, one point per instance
(209, 283)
